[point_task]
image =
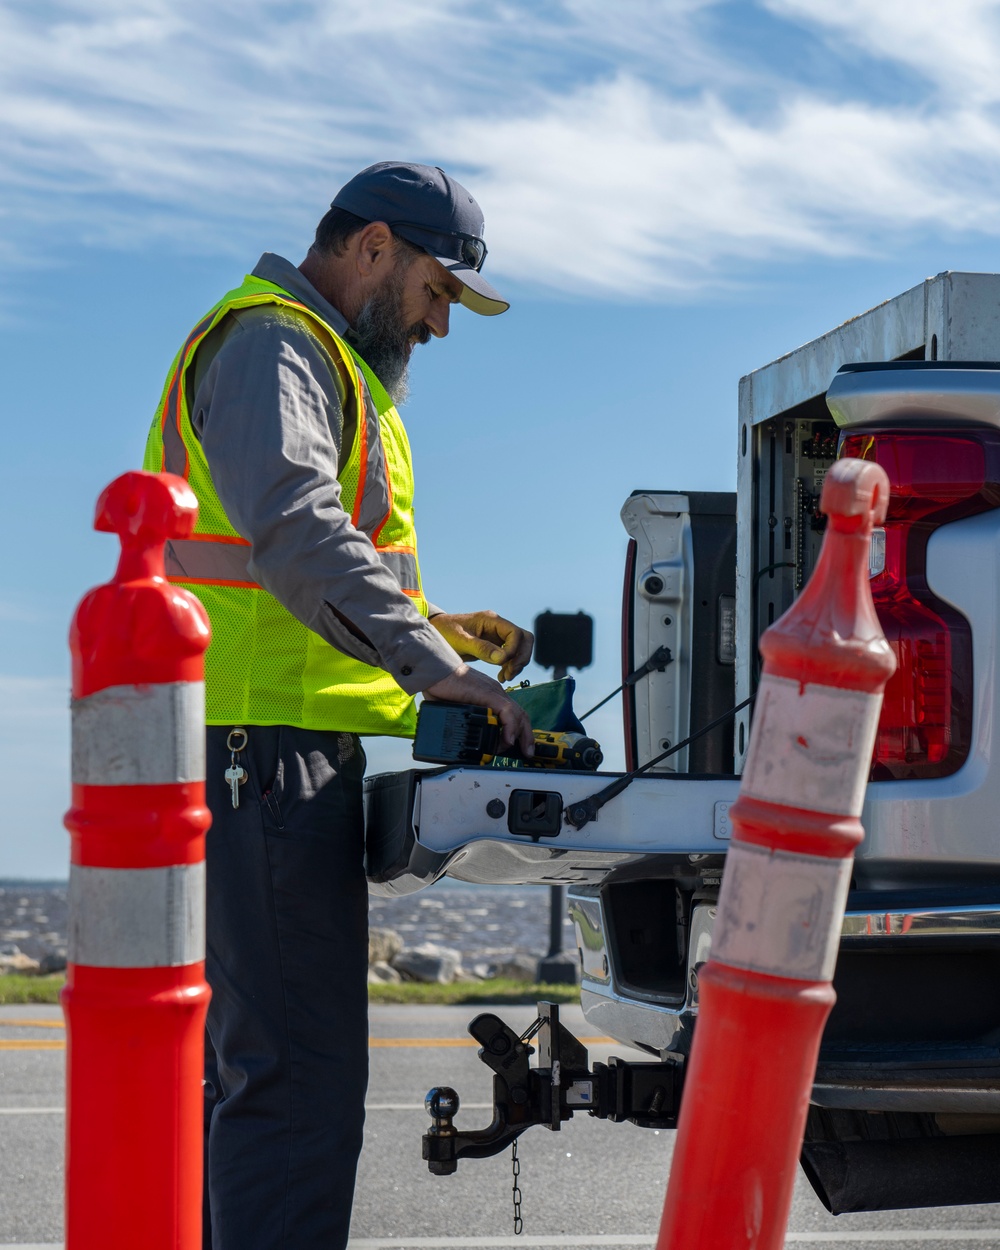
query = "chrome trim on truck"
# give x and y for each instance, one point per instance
(636, 1018)
(923, 922)
(646, 1021)
(943, 396)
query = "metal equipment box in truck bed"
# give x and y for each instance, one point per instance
(906, 1100)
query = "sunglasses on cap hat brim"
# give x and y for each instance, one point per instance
(462, 255)
(468, 249)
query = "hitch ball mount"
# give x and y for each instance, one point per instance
(562, 1083)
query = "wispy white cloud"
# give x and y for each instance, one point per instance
(687, 186)
(615, 154)
(954, 49)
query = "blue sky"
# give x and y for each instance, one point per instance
(675, 192)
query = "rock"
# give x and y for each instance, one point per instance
(517, 968)
(381, 973)
(562, 969)
(383, 945)
(428, 963)
(52, 961)
(19, 963)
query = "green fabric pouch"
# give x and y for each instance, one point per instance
(550, 705)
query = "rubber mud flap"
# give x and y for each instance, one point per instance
(904, 1174)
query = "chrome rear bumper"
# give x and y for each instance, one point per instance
(659, 1024)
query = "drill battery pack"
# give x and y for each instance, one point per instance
(461, 733)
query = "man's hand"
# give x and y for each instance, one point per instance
(486, 636)
(467, 685)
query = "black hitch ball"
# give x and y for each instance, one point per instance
(442, 1106)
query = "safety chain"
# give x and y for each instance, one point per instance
(515, 1167)
(515, 1162)
(531, 1030)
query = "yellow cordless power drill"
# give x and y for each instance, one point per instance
(461, 733)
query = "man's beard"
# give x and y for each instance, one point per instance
(383, 341)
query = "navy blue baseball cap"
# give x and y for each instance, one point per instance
(423, 205)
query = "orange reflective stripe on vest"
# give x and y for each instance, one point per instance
(175, 454)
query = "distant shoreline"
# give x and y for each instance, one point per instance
(34, 883)
(482, 922)
(446, 883)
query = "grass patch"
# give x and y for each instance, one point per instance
(15, 988)
(496, 991)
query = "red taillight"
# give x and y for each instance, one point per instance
(936, 476)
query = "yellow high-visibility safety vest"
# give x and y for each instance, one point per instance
(263, 666)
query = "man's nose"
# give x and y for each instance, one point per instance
(437, 319)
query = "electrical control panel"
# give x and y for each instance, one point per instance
(793, 453)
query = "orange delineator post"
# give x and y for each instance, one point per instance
(135, 996)
(765, 992)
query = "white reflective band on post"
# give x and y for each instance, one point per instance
(140, 735)
(810, 746)
(780, 913)
(137, 917)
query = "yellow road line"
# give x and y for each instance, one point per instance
(32, 1024)
(45, 1044)
(24, 1044)
(378, 1043)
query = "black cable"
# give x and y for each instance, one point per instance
(586, 810)
(657, 662)
(606, 699)
(769, 568)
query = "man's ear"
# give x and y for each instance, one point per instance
(374, 248)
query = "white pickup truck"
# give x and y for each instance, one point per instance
(906, 1103)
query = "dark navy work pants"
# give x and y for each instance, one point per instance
(287, 1047)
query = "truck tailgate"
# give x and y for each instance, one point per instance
(421, 824)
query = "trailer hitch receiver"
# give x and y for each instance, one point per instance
(562, 1083)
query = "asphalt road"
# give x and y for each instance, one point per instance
(593, 1184)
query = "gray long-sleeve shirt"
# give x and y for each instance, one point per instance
(270, 408)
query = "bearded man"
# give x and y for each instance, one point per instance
(280, 410)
